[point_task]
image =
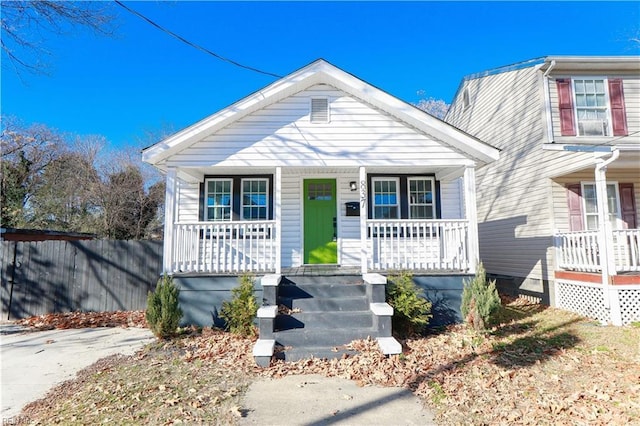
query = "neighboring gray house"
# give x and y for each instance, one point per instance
(318, 173)
(569, 133)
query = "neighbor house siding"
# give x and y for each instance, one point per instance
(631, 90)
(281, 134)
(515, 226)
(560, 207)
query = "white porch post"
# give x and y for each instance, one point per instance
(605, 237)
(170, 205)
(471, 215)
(278, 218)
(364, 208)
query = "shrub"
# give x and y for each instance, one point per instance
(411, 311)
(163, 311)
(241, 311)
(480, 300)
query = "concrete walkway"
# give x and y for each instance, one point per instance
(314, 400)
(34, 362)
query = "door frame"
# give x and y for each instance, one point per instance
(337, 213)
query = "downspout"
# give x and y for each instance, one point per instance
(547, 102)
(604, 230)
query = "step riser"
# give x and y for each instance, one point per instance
(321, 290)
(323, 279)
(293, 355)
(326, 305)
(320, 338)
(324, 320)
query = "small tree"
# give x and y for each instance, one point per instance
(163, 310)
(411, 311)
(241, 311)
(480, 300)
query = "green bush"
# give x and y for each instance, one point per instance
(163, 311)
(241, 311)
(480, 300)
(411, 311)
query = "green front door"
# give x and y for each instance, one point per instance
(320, 227)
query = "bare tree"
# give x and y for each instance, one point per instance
(436, 107)
(25, 23)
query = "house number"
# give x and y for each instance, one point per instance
(363, 194)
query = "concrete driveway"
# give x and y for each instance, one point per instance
(34, 362)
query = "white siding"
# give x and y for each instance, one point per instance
(291, 220)
(281, 134)
(188, 201)
(348, 226)
(451, 199)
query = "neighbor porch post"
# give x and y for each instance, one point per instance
(278, 218)
(471, 215)
(364, 209)
(169, 219)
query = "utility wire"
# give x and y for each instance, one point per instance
(203, 49)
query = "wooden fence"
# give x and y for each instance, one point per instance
(63, 276)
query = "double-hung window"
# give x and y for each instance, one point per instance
(421, 204)
(218, 198)
(592, 107)
(386, 203)
(590, 207)
(255, 199)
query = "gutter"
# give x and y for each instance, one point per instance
(547, 101)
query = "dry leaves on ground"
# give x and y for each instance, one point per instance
(67, 320)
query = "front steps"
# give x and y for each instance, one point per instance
(320, 315)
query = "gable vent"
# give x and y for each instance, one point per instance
(319, 110)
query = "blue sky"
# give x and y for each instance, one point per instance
(143, 81)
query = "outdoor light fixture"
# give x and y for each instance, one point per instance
(353, 185)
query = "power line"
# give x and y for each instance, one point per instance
(203, 49)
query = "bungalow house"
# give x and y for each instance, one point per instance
(558, 213)
(318, 184)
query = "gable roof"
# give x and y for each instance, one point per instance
(322, 72)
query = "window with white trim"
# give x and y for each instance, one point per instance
(386, 203)
(255, 199)
(421, 191)
(218, 199)
(590, 207)
(592, 107)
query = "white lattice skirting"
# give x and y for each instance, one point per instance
(588, 300)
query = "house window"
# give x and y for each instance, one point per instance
(590, 207)
(466, 103)
(255, 199)
(385, 198)
(218, 199)
(592, 109)
(421, 198)
(319, 110)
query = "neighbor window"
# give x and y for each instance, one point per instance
(421, 198)
(592, 109)
(591, 206)
(218, 199)
(255, 199)
(385, 198)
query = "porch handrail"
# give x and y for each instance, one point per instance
(422, 244)
(224, 247)
(580, 250)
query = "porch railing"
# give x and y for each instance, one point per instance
(224, 247)
(417, 245)
(580, 250)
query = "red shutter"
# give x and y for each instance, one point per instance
(628, 205)
(565, 99)
(574, 201)
(618, 113)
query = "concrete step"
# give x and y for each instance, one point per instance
(303, 337)
(321, 279)
(326, 304)
(324, 320)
